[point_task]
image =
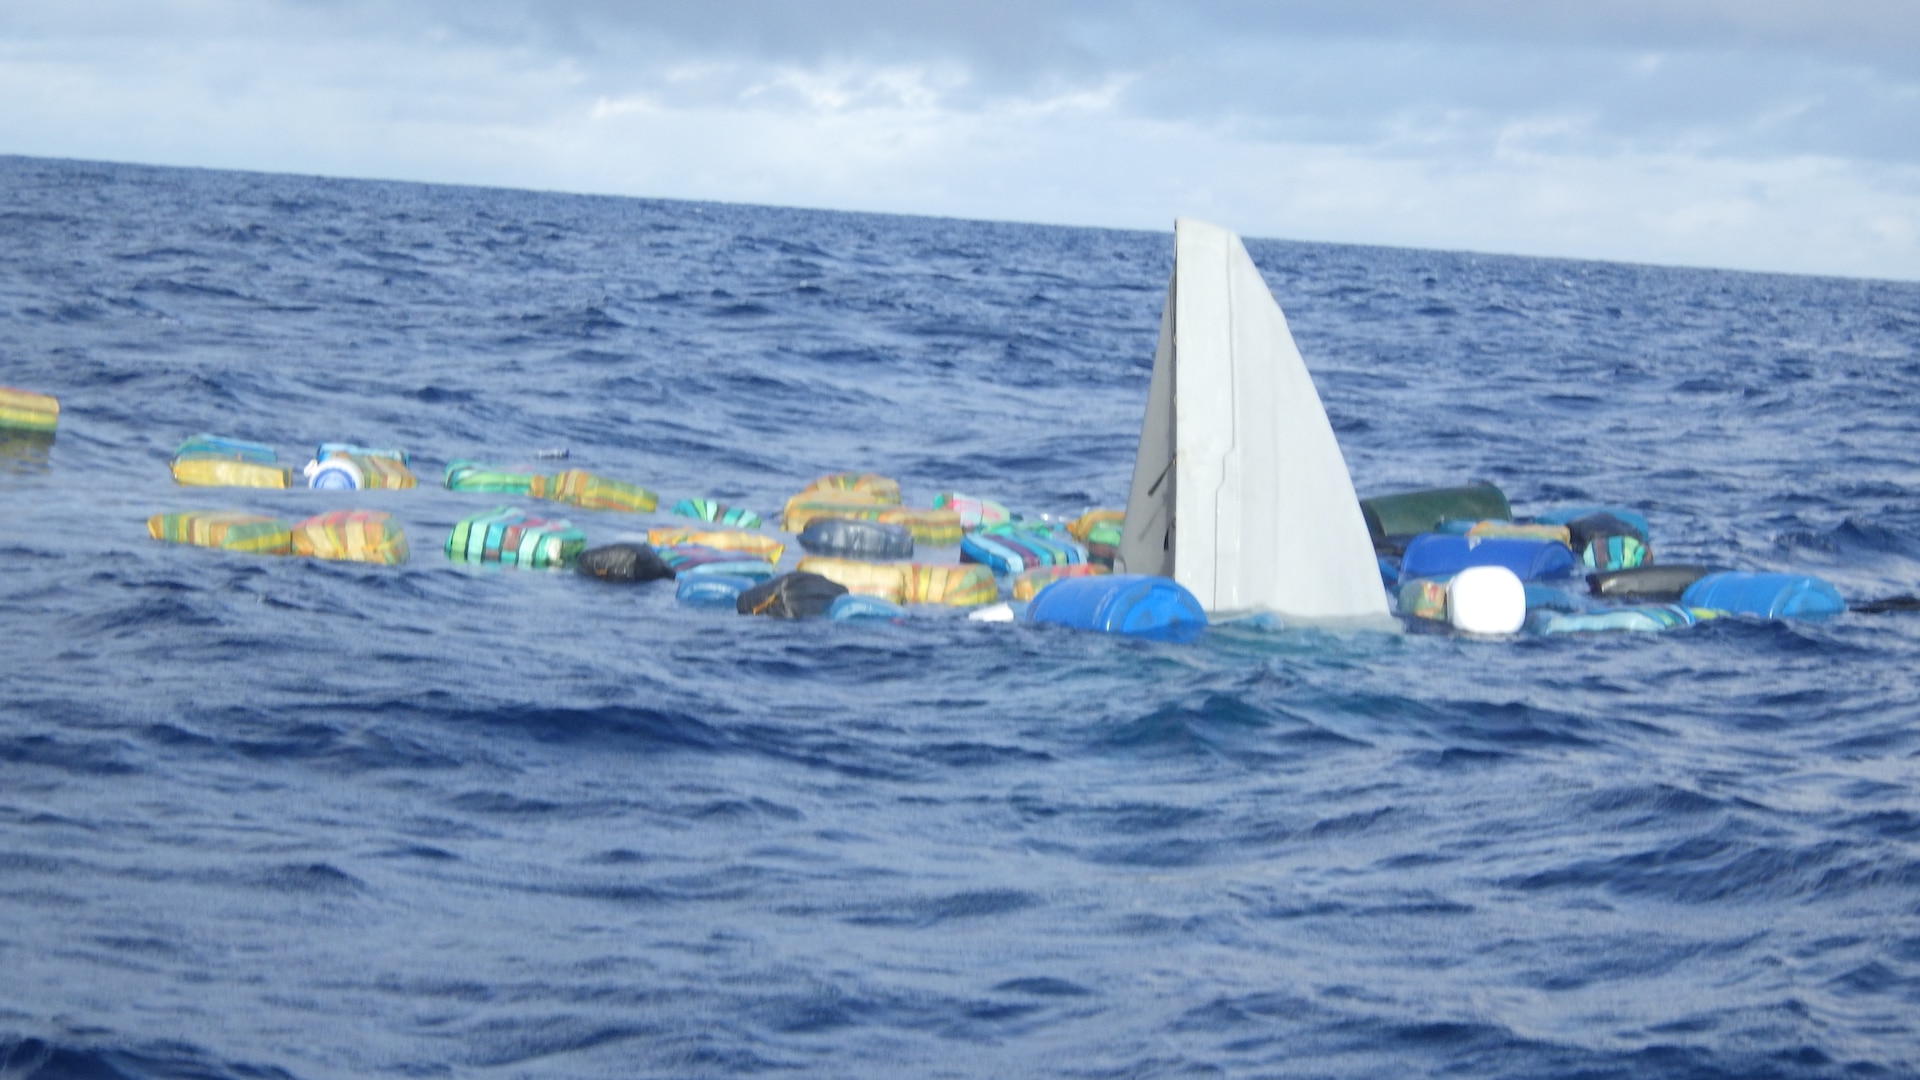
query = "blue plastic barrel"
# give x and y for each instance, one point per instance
(856, 606)
(1435, 555)
(1765, 596)
(712, 590)
(1137, 605)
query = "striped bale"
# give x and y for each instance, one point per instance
(1010, 549)
(228, 530)
(956, 586)
(208, 471)
(974, 512)
(1030, 582)
(808, 506)
(473, 476)
(932, 528)
(25, 410)
(351, 536)
(716, 513)
(879, 488)
(581, 488)
(754, 544)
(507, 536)
(888, 581)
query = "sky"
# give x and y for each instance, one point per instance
(1745, 134)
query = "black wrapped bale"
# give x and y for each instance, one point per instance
(1651, 584)
(850, 539)
(624, 563)
(798, 595)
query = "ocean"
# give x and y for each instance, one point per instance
(280, 818)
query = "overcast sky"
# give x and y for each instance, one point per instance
(1756, 134)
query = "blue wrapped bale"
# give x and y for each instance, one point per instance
(850, 539)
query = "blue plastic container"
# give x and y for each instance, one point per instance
(712, 590)
(1564, 514)
(1435, 555)
(856, 606)
(1765, 596)
(1137, 605)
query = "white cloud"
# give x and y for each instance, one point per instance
(1693, 135)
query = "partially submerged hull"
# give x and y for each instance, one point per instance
(1240, 492)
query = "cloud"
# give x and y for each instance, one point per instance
(1763, 135)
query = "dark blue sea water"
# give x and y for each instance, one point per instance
(269, 818)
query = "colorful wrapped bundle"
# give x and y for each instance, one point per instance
(1424, 598)
(888, 581)
(934, 528)
(1517, 530)
(215, 461)
(340, 469)
(808, 506)
(228, 472)
(506, 535)
(1030, 582)
(228, 530)
(974, 512)
(760, 547)
(1083, 527)
(1010, 549)
(473, 476)
(695, 559)
(582, 488)
(956, 586)
(1608, 553)
(327, 449)
(352, 536)
(717, 513)
(879, 488)
(205, 445)
(25, 410)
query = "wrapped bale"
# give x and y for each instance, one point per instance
(340, 469)
(754, 544)
(716, 513)
(798, 595)
(955, 586)
(1030, 582)
(1650, 618)
(228, 530)
(473, 476)
(888, 581)
(623, 563)
(215, 461)
(690, 559)
(1011, 549)
(199, 471)
(507, 536)
(808, 506)
(581, 488)
(872, 485)
(974, 512)
(935, 528)
(1410, 513)
(712, 590)
(351, 536)
(857, 539)
(1521, 530)
(24, 410)
(853, 607)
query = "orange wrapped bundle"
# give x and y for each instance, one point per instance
(761, 547)
(933, 528)
(880, 488)
(958, 585)
(1030, 582)
(888, 581)
(351, 535)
